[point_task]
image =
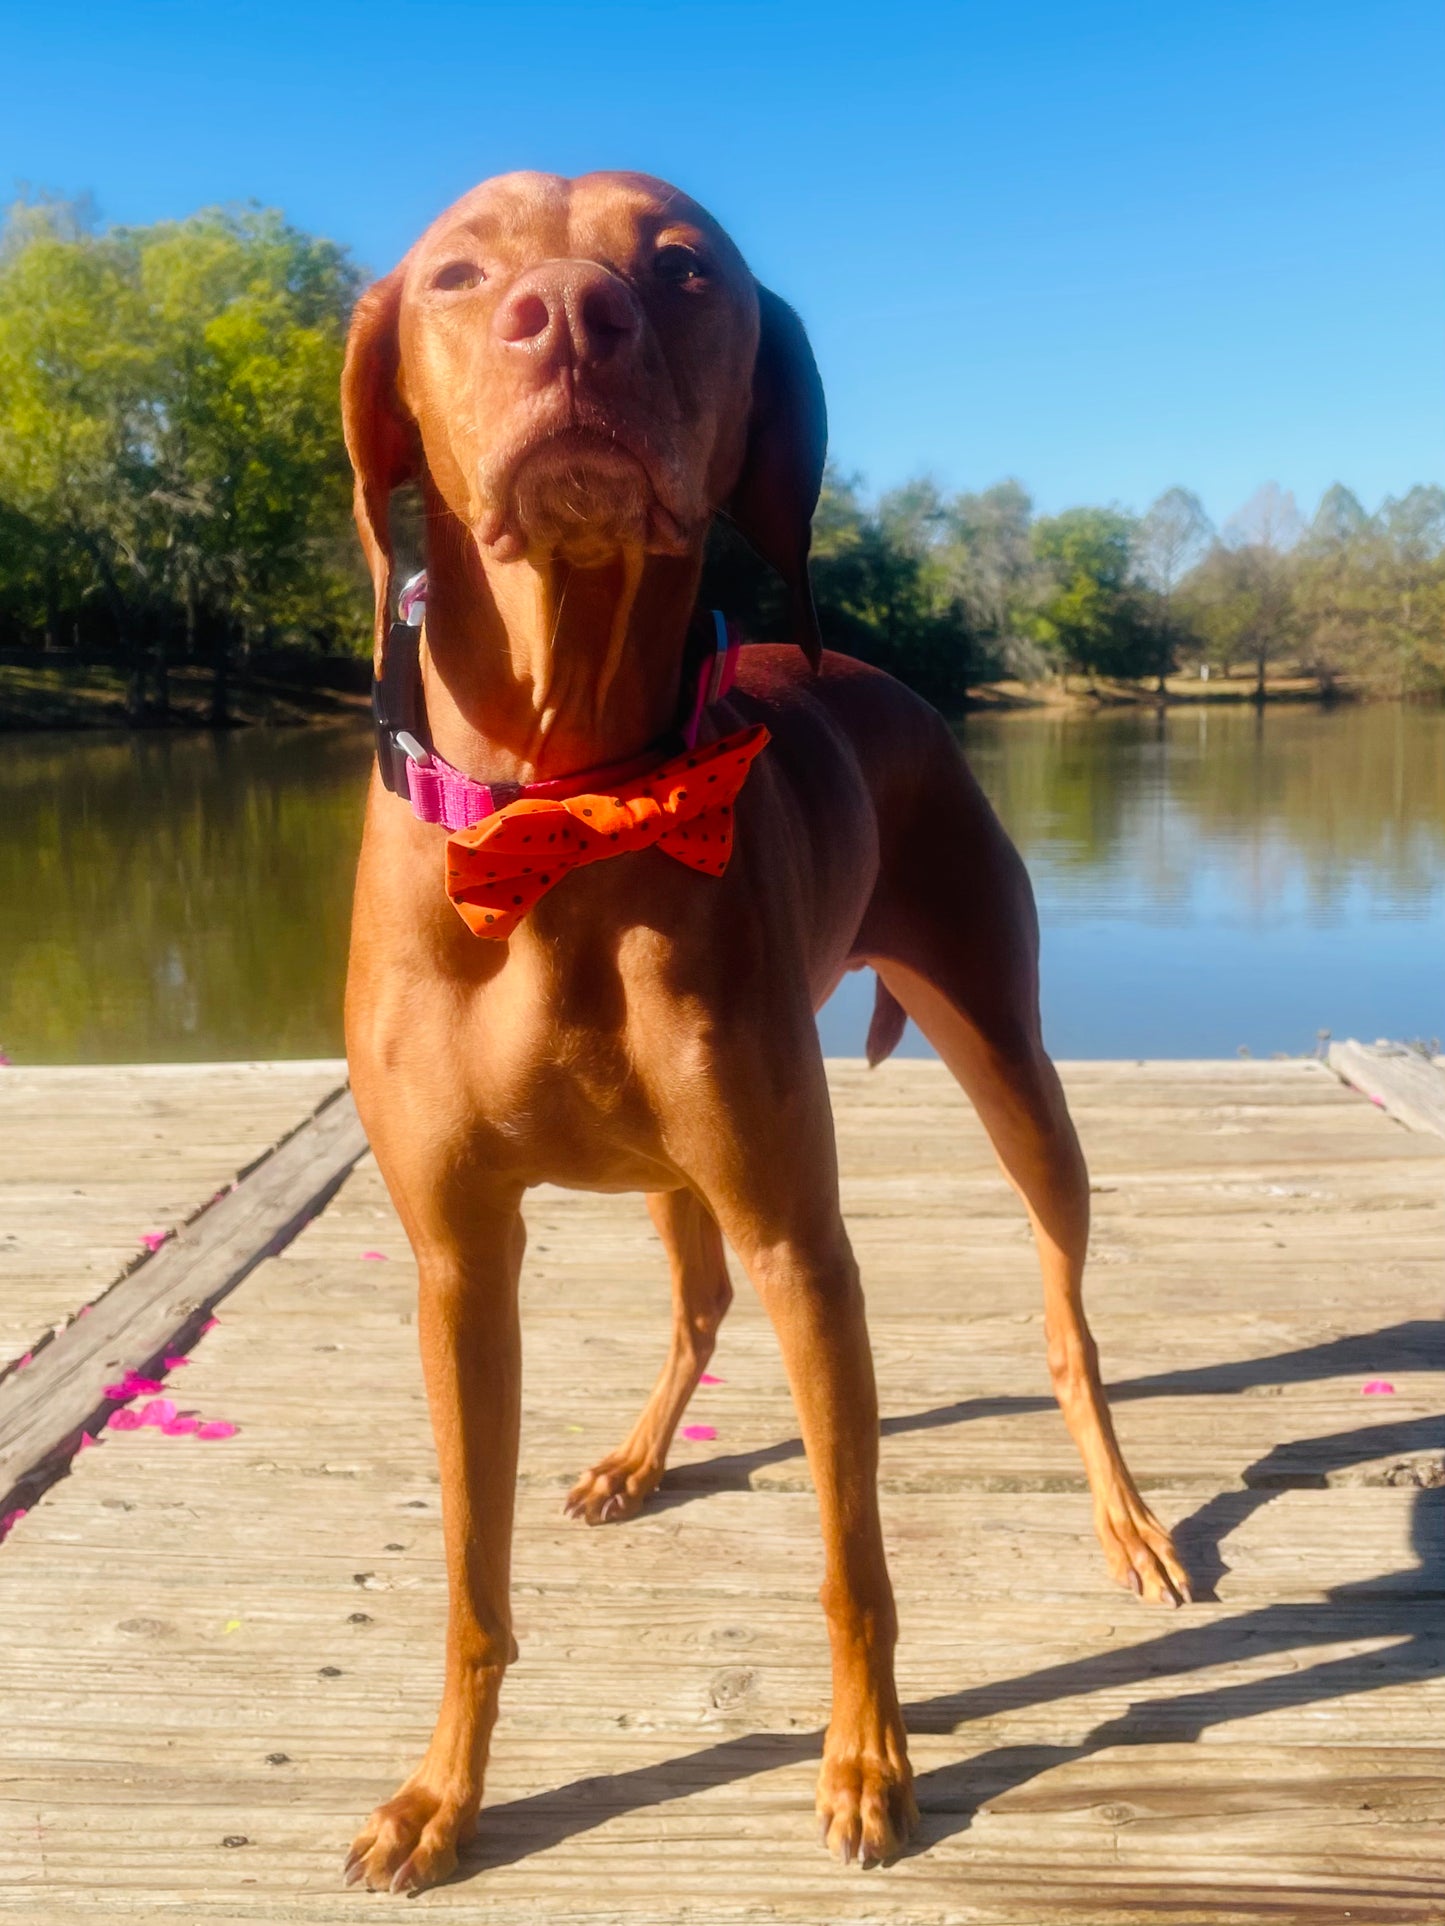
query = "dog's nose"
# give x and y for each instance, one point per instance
(568, 311)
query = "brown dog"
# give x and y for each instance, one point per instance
(579, 375)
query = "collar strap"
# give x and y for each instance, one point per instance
(437, 792)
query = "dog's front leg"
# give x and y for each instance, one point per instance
(761, 1153)
(811, 1291)
(472, 1360)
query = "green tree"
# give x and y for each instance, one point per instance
(1091, 615)
(73, 369)
(248, 317)
(1242, 597)
(1335, 588)
(891, 589)
(996, 571)
(1404, 646)
(169, 433)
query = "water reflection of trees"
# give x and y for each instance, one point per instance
(176, 897)
(189, 897)
(1330, 804)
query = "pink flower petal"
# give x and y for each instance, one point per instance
(181, 1427)
(699, 1433)
(217, 1428)
(375, 1257)
(209, 1325)
(29, 1358)
(159, 1412)
(1378, 1388)
(10, 1519)
(86, 1442)
(153, 1239)
(84, 1311)
(176, 1364)
(5, 1061)
(708, 1378)
(138, 1387)
(123, 1421)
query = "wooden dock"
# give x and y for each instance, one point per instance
(218, 1655)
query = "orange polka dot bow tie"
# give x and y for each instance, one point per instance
(501, 867)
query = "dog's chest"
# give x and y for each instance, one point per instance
(571, 1073)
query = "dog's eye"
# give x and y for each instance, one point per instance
(456, 275)
(680, 267)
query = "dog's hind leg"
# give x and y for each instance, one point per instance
(616, 1485)
(1016, 1091)
(954, 936)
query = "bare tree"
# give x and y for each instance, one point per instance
(1171, 538)
(1270, 520)
(1261, 535)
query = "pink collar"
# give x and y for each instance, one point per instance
(438, 793)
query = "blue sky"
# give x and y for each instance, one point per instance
(1101, 247)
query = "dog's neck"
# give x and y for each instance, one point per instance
(535, 669)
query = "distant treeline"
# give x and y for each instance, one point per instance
(173, 488)
(949, 592)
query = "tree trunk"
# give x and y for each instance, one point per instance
(220, 712)
(1260, 664)
(135, 681)
(133, 655)
(162, 682)
(52, 609)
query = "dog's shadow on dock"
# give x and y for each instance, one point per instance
(1418, 1345)
(1383, 1607)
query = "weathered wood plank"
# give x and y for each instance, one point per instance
(93, 1158)
(243, 1640)
(1403, 1082)
(163, 1301)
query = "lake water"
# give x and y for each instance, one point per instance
(1208, 881)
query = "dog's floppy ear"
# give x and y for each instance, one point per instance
(381, 437)
(782, 470)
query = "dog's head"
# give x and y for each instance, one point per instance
(585, 368)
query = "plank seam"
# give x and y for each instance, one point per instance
(159, 1303)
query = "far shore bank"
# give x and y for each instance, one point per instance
(36, 695)
(1077, 695)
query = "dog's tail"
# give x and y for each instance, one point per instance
(885, 1031)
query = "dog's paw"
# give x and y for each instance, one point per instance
(410, 1842)
(866, 1808)
(1141, 1553)
(613, 1489)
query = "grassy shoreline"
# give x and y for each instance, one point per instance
(92, 696)
(69, 696)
